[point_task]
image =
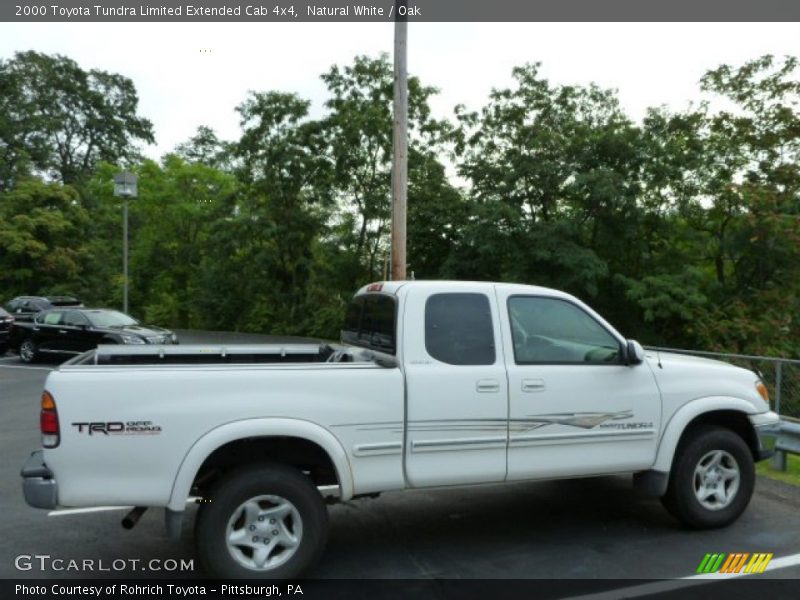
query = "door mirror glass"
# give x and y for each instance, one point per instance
(635, 353)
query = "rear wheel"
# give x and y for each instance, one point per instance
(712, 478)
(28, 351)
(261, 521)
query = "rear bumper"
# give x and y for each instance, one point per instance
(38, 483)
(767, 427)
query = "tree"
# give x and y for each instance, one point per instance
(270, 229)
(554, 186)
(723, 187)
(206, 148)
(42, 241)
(59, 120)
(359, 132)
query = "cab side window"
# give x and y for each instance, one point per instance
(74, 319)
(50, 318)
(554, 331)
(458, 329)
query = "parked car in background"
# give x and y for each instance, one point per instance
(6, 321)
(24, 308)
(76, 330)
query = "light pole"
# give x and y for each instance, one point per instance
(125, 188)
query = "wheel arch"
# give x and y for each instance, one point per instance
(225, 440)
(731, 413)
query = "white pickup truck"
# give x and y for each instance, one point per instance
(434, 384)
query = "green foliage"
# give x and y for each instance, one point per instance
(683, 229)
(41, 238)
(358, 128)
(59, 120)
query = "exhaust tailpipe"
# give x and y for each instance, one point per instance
(132, 518)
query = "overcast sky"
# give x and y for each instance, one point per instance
(181, 87)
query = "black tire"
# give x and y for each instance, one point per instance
(701, 444)
(28, 351)
(243, 485)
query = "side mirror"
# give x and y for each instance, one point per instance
(634, 353)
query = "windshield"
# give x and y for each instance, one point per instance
(109, 318)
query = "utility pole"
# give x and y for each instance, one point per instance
(400, 160)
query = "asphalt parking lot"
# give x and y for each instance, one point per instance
(593, 528)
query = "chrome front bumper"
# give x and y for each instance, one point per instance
(767, 427)
(38, 483)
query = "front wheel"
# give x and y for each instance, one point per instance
(261, 521)
(28, 352)
(712, 478)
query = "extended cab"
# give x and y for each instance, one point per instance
(434, 384)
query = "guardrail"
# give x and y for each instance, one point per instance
(788, 442)
(782, 378)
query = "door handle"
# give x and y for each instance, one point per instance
(533, 385)
(487, 385)
(62, 331)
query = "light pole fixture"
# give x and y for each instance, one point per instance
(125, 187)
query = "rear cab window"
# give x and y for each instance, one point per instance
(371, 322)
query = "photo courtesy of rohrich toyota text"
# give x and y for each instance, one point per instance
(399, 299)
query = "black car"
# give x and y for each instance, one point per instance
(72, 331)
(6, 321)
(24, 308)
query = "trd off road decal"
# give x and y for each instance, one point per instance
(118, 428)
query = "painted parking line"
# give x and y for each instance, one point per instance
(646, 589)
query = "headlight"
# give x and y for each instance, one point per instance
(132, 339)
(762, 391)
(174, 338)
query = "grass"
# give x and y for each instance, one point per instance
(791, 475)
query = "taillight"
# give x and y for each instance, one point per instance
(48, 422)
